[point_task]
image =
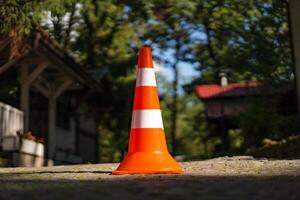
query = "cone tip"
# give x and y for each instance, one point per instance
(145, 57)
(146, 46)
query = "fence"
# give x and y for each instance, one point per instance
(11, 121)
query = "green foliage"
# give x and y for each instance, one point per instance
(17, 14)
(236, 140)
(262, 120)
(114, 126)
(190, 123)
(105, 37)
(247, 39)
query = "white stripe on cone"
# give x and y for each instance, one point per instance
(145, 77)
(147, 119)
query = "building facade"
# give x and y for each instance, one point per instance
(46, 120)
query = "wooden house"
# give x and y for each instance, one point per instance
(46, 120)
(225, 102)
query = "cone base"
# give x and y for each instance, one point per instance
(148, 163)
(118, 172)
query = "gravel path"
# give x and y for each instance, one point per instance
(221, 178)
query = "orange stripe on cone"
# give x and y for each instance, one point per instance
(140, 137)
(145, 97)
(147, 151)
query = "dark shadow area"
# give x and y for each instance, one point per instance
(58, 172)
(173, 187)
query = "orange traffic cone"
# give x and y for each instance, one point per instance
(147, 151)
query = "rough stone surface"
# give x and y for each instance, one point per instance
(220, 178)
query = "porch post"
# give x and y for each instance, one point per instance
(51, 126)
(26, 80)
(54, 93)
(25, 96)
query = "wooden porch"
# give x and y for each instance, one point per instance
(44, 69)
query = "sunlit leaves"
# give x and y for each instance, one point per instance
(17, 15)
(245, 37)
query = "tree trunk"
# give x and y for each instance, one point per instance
(174, 109)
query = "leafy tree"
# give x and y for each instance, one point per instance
(247, 39)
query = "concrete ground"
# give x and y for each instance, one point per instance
(221, 178)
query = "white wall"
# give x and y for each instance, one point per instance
(66, 139)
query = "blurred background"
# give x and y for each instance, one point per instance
(225, 71)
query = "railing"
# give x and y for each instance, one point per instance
(11, 121)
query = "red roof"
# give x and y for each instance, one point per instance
(231, 90)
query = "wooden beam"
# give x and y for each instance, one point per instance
(58, 62)
(9, 64)
(44, 81)
(65, 85)
(74, 71)
(36, 72)
(32, 59)
(42, 89)
(52, 106)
